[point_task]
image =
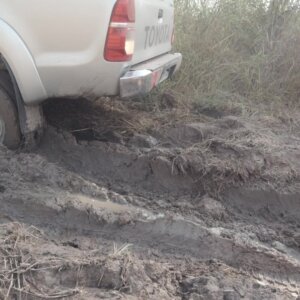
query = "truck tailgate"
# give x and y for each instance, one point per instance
(154, 29)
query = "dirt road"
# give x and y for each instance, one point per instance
(206, 207)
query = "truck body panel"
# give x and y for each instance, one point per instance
(64, 42)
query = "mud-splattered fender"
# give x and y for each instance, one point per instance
(15, 53)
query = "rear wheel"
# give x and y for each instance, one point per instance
(10, 135)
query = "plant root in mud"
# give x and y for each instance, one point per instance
(18, 269)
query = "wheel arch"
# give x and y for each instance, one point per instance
(31, 119)
(17, 59)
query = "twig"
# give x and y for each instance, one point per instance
(58, 295)
(81, 130)
(10, 287)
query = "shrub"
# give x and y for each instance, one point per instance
(238, 51)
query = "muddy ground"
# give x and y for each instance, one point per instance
(125, 202)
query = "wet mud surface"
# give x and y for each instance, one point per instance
(207, 209)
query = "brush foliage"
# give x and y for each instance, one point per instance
(238, 51)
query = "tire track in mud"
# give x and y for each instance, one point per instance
(175, 236)
(124, 167)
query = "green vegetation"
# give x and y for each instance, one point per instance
(238, 52)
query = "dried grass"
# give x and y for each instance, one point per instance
(238, 157)
(18, 267)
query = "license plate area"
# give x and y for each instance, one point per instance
(167, 73)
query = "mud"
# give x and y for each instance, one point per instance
(207, 209)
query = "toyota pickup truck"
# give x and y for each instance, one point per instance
(78, 48)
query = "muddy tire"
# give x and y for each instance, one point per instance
(10, 135)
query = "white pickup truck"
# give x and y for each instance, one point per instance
(78, 48)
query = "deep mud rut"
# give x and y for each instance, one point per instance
(208, 209)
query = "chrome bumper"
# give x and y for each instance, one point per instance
(141, 79)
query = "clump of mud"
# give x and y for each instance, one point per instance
(196, 158)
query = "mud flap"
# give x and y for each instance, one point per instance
(32, 125)
(31, 118)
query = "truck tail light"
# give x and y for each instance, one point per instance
(120, 37)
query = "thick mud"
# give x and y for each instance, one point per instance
(207, 209)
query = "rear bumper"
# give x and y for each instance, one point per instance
(142, 78)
